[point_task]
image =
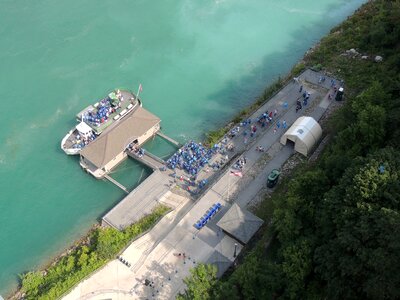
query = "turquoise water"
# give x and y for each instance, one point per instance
(199, 62)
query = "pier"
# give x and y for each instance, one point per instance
(139, 202)
(167, 138)
(112, 180)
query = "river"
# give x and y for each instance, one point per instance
(199, 63)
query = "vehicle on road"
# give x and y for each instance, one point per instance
(273, 177)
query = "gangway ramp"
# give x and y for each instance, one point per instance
(148, 159)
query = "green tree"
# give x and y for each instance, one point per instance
(31, 282)
(297, 266)
(360, 219)
(108, 242)
(200, 284)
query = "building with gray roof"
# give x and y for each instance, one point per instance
(240, 223)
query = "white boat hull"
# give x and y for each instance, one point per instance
(69, 151)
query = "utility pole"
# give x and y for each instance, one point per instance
(234, 253)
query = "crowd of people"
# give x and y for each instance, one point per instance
(191, 158)
(101, 114)
(234, 132)
(104, 109)
(136, 150)
(239, 164)
(306, 96)
(82, 141)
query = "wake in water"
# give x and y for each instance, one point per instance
(48, 121)
(184, 138)
(299, 10)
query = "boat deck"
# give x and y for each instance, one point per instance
(129, 105)
(117, 115)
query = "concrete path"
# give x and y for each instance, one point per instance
(155, 256)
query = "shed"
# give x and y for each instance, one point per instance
(240, 223)
(304, 133)
(220, 261)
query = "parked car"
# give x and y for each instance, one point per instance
(273, 177)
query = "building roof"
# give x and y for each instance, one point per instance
(111, 143)
(304, 132)
(220, 261)
(240, 223)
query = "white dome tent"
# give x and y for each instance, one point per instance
(304, 133)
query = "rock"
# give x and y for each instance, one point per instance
(378, 58)
(353, 51)
(364, 57)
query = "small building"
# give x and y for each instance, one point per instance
(304, 133)
(220, 261)
(108, 150)
(240, 223)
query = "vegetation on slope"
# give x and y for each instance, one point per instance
(103, 245)
(337, 222)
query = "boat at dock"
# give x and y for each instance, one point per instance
(98, 118)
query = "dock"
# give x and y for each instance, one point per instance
(167, 138)
(140, 202)
(112, 180)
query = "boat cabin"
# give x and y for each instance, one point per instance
(84, 130)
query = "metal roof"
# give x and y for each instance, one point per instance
(240, 223)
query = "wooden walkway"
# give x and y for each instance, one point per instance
(112, 180)
(172, 141)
